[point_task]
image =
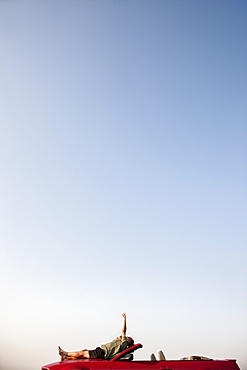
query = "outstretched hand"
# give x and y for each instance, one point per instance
(124, 315)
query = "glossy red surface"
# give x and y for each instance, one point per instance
(118, 363)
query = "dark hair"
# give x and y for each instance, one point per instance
(130, 342)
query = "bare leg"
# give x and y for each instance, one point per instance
(72, 355)
(78, 354)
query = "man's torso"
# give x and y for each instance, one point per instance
(113, 348)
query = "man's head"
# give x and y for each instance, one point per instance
(130, 341)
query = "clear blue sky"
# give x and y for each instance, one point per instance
(123, 177)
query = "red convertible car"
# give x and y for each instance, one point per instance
(125, 361)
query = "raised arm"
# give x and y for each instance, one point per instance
(124, 327)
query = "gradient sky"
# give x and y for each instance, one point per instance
(123, 177)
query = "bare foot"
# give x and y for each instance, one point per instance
(62, 353)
